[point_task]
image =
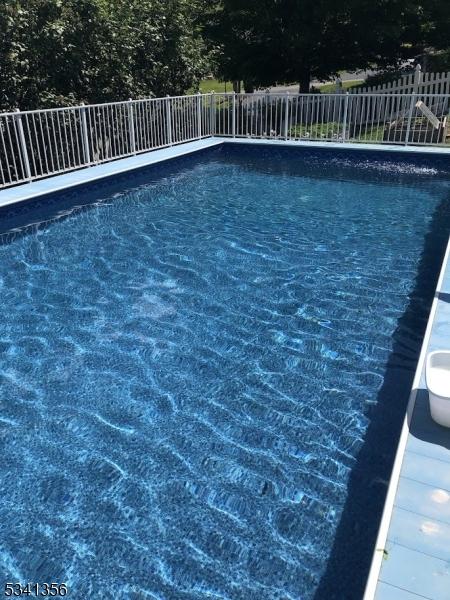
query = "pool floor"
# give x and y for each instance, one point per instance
(195, 359)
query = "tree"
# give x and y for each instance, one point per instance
(269, 41)
(49, 51)
(56, 52)
(154, 47)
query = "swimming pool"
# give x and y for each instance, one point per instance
(205, 366)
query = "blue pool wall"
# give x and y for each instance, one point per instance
(81, 188)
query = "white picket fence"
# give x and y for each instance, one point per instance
(411, 83)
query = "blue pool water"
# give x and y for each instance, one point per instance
(194, 360)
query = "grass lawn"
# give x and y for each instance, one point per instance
(373, 134)
(213, 85)
(316, 131)
(332, 130)
(330, 88)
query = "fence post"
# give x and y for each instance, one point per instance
(417, 77)
(199, 115)
(345, 117)
(84, 131)
(131, 126)
(169, 120)
(23, 145)
(212, 114)
(286, 117)
(233, 119)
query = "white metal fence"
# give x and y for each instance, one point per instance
(39, 143)
(36, 144)
(368, 118)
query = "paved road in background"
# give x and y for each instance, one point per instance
(357, 76)
(407, 65)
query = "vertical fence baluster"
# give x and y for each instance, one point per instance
(23, 145)
(417, 78)
(169, 120)
(199, 116)
(212, 114)
(131, 126)
(84, 128)
(233, 116)
(286, 117)
(345, 117)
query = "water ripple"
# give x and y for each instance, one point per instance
(188, 370)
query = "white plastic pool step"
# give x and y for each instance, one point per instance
(437, 375)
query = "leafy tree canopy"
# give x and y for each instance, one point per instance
(268, 41)
(54, 52)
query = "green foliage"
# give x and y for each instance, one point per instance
(386, 76)
(333, 130)
(330, 88)
(55, 52)
(439, 62)
(317, 131)
(269, 41)
(207, 86)
(370, 134)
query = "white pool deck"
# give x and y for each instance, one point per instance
(412, 554)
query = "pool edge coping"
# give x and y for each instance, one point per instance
(76, 177)
(339, 145)
(378, 553)
(91, 174)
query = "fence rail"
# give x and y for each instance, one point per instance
(41, 143)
